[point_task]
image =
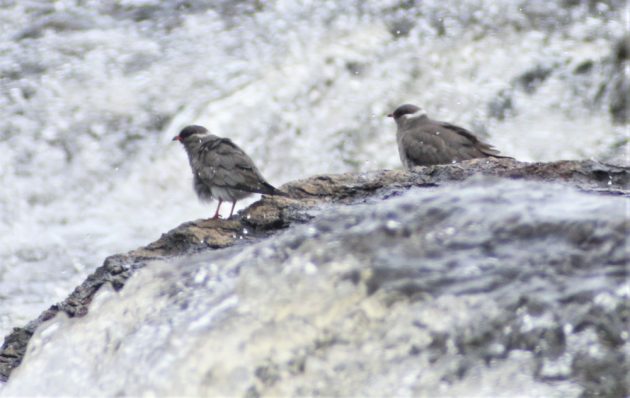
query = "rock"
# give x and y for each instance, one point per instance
(532, 79)
(619, 85)
(378, 275)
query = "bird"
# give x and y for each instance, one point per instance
(221, 169)
(423, 141)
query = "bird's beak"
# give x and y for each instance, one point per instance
(390, 115)
(177, 138)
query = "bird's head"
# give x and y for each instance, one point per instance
(407, 112)
(190, 133)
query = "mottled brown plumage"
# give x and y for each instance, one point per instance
(221, 169)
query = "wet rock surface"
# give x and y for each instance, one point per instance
(374, 278)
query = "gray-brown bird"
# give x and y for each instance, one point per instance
(423, 141)
(221, 169)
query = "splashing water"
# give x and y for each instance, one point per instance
(92, 92)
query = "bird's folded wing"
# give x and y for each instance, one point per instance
(424, 149)
(471, 146)
(228, 166)
(466, 136)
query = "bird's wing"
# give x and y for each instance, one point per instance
(422, 148)
(471, 146)
(226, 165)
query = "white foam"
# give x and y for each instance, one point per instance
(86, 162)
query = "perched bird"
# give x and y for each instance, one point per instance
(423, 141)
(221, 169)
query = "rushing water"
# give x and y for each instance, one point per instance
(487, 288)
(92, 91)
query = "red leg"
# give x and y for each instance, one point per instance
(216, 213)
(232, 210)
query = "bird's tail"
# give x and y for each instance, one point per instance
(269, 189)
(490, 151)
(503, 157)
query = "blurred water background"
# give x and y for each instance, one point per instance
(93, 90)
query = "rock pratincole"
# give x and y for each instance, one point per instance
(423, 141)
(221, 169)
